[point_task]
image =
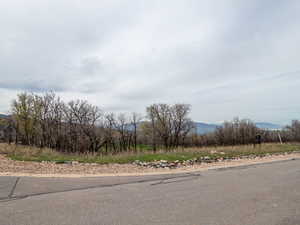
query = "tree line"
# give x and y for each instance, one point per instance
(45, 120)
(77, 126)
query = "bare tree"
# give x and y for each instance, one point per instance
(181, 123)
(170, 124)
(135, 120)
(89, 119)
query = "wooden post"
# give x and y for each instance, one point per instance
(279, 138)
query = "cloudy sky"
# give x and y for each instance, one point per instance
(225, 58)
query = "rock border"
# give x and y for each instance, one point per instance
(180, 170)
(201, 160)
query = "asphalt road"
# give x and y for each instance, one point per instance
(267, 194)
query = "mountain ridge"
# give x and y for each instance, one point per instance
(3, 116)
(204, 128)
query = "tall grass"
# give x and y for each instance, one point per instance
(26, 153)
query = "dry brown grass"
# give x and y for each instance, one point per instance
(27, 153)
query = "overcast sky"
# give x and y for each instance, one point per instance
(225, 58)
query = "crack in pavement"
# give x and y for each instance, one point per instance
(191, 177)
(13, 198)
(14, 188)
(10, 195)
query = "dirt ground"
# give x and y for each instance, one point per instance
(10, 167)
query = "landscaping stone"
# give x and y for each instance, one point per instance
(74, 163)
(177, 164)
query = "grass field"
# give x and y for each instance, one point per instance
(25, 153)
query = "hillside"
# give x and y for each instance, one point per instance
(204, 128)
(3, 116)
(269, 126)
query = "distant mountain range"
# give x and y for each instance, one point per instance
(204, 128)
(269, 126)
(3, 116)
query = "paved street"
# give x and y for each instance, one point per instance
(266, 194)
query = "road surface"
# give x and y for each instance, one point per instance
(266, 194)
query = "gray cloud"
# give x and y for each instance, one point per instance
(231, 58)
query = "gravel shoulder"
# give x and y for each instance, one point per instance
(10, 167)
